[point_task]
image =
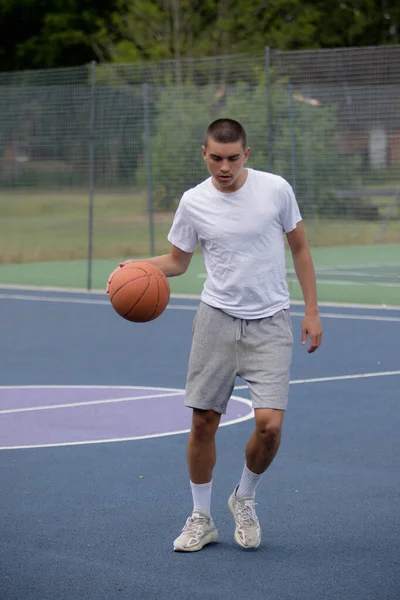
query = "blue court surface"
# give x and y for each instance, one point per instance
(93, 476)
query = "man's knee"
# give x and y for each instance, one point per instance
(204, 423)
(269, 424)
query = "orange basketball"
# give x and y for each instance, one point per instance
(139, 292)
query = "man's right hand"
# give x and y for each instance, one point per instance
(112, 275)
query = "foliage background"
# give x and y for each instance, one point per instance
(61, 33)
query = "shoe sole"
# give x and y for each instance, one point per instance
(212, 536)
(236, 537)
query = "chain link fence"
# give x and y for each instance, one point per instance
(94, 159)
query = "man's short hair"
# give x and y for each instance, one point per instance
(225, 131)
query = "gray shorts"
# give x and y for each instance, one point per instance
(258, 350)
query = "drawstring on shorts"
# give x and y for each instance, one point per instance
(240, 327)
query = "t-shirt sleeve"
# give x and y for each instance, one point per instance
(290, 212)
(182, 233)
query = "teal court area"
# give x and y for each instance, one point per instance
(354, 274)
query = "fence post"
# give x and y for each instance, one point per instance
(292, 138)
(389, 215)
(269, 108)
(150, 207)
(309, 170)
(91, 171)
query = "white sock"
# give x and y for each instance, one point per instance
(201, 493)
(248, 483)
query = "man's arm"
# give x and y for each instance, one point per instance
(304, 268)
(176, 262)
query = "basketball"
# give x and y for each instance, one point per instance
(139, 292)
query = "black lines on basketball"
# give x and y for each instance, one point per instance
(139, 292)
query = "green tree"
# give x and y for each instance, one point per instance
(56, 33)
(305, 151)
(179, 115)
(59, 33)
(175, 28)
(357, 22)
(165, 29)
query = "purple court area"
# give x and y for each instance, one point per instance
(58, 415)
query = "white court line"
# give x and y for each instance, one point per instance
(92, 301)
(352, 266)
(167, 393)
(239, 399)
(346, 282)
(53, 299)
(87, 403)
(88, 387)
(165, 434)
(354, 317)
(358, 274)
(334, 378)
(196, 297)
(334, 281)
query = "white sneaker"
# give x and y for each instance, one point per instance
(198, 531)
(248, 531)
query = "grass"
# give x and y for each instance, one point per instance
(48, 226)
(55, 226)
(384, 203)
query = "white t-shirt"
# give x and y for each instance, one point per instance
(242, 240)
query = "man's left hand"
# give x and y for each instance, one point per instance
(311, 327)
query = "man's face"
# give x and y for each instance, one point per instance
(225, 163)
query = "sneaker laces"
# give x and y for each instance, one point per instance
(194, 524)
(247, 512)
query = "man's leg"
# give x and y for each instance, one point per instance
(201, 453)
(201, 456)
(265, 357)
(260, 452)
(210, 381)
(265, 440)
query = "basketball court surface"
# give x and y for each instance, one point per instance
(93, 477)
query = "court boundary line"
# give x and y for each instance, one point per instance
(9, 411)
(347, 272)
(176, 390)
(335, 282)
(173, 391)
(192, 307)
(353, 266)
(12, 286)
(348, 283)
(335, 378)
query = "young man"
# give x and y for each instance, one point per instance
(239, 217)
